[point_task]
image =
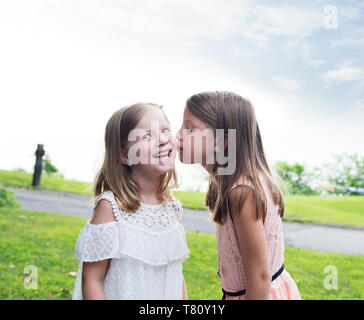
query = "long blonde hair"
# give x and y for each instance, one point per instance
(116, 176)
(227, 110)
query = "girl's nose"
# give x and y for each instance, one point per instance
(163, 139)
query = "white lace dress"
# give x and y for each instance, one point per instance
(146, 249)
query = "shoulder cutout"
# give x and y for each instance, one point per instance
(106, 209)
(103, 213)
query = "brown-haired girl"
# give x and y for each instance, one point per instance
(245, 201)
(134, 244)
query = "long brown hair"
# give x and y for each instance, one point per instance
(227, 110)
(116, 176)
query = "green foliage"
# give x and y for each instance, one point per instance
(346, 170)
(49, 168)
(296, 178)
(7, 198)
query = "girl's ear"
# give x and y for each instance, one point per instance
(124, 157)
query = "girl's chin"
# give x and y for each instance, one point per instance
(156, 170)
(163, 169)
(164, 165)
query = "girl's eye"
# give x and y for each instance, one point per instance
(167, 130)
(146, 135)
(189, 130)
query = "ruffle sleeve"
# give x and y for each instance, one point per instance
(118, 239)
(98, 242)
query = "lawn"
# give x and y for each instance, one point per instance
(346, 210)
(47, 241)
(21, 179)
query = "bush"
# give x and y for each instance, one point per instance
(296, 178)
(7, 198)
(344, 172)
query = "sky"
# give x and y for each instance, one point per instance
(66, 66)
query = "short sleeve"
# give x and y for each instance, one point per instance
(97, 242)
(109, 196)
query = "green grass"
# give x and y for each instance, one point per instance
(347, 210)
(20, 179)
(47, 242)
(191, 199)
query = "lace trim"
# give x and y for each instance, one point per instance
(149, 217)
(108, 195)
(115, 240)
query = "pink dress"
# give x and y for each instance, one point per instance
(231, 268)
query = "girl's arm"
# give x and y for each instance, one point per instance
(184, 289)
(252, 242)
(93, 273)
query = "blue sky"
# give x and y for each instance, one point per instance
(75, 62)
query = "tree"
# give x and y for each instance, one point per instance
(346, 170)
(296, 178)
(48, 167)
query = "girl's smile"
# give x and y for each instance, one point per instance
(164, 156)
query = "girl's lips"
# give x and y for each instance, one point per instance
(167, 159)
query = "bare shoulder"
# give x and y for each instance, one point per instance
(103, 213)
(242, 201)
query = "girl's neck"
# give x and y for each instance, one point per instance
(148, 185)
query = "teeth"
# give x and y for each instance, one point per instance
(162, 155)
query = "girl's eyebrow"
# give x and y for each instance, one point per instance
(189, 121)
(164, 126)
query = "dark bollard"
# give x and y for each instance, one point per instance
(38, 165)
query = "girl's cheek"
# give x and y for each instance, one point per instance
(145, 152)
(173, 141)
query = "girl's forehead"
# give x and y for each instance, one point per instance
(190, 118)
(150, 117)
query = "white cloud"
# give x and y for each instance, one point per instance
(360, 103)
(346, 72)
(289, 21)
(345, 42)
(180, 20)
(285, 83)
(302, 51)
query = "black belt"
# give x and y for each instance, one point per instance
(242, 292)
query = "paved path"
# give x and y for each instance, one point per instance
(310, 236)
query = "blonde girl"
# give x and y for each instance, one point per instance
(134, 244)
